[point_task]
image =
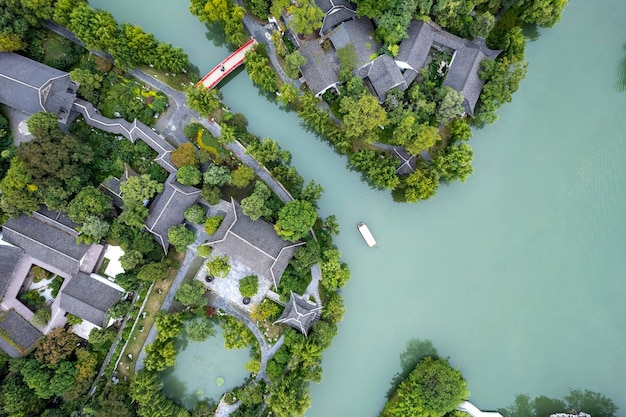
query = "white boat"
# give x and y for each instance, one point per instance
(367, 235)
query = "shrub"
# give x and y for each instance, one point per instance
(42, 316)
(55, 286)
(33, 299)
(218, 266)
(213, 223)
(181, 237)
(204, 251)
(191, 130)
(211, 194)
(248, 286)
(242, 176)
(73, 320)
(39, 273)
(195, 214)
(188, 175)
(185, 155)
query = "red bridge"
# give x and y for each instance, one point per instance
(227, 66)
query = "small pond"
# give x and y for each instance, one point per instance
(198, 367)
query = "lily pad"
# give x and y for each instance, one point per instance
(219, 381)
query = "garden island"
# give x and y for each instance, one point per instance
(138, 218)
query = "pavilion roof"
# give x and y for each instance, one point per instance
(300, 313)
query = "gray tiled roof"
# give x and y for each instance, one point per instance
(33, 87)
(329, 5)
(9, 259)
(56, 219)
(335, 17)
(463, 76)
(21, 332)
(254, 243)
(46, 243)
(383, 75)
(131, 131)
(319, 71)
(89, 298)
(467, 56)
(168, 209)
(111, 187)
(299, 313)
(360, 33)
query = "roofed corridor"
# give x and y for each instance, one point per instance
(227, 66)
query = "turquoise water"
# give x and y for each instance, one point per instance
(517, 275)
(198, 367)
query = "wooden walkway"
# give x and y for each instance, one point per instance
(227, 66)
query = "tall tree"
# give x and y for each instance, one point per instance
(454, 163)
(432, 389)
(307, 17)
(89, 202)
(137, 189)
(295, 219)
(362, 117)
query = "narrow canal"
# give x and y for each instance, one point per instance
(517, 275)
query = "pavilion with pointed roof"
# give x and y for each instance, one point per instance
(300, 313)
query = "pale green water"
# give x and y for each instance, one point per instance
(199, 364)
(516, 275)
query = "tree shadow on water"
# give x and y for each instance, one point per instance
(585, 401)
(416, 350)
(215, 33)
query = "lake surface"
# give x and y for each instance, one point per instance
(198, 367)
(517, 275)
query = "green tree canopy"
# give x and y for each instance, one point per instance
(192, 294)
(181, 237)
(293, 62)
(137, 189)
(200, 329)
(307, 17)
(255, 205)
(218, 266)
(248, 286)
(89, 202)
(242, 176)
(295, 219)
(217, 175)
(432, 389)
(451, 106)
(188, 175)
(153, 271)
(203, 100)
(362, 117)
(454, 163)
(195, 214)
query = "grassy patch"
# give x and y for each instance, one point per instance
(60, 53)
(103, 267)
(138, 337)
(177, 81)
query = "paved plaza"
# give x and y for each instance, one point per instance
(228, 288)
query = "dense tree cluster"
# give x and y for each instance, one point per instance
(260, 69)
(432, 389)
(54, 377)
(225, 13)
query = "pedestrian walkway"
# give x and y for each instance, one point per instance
(227, 66)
